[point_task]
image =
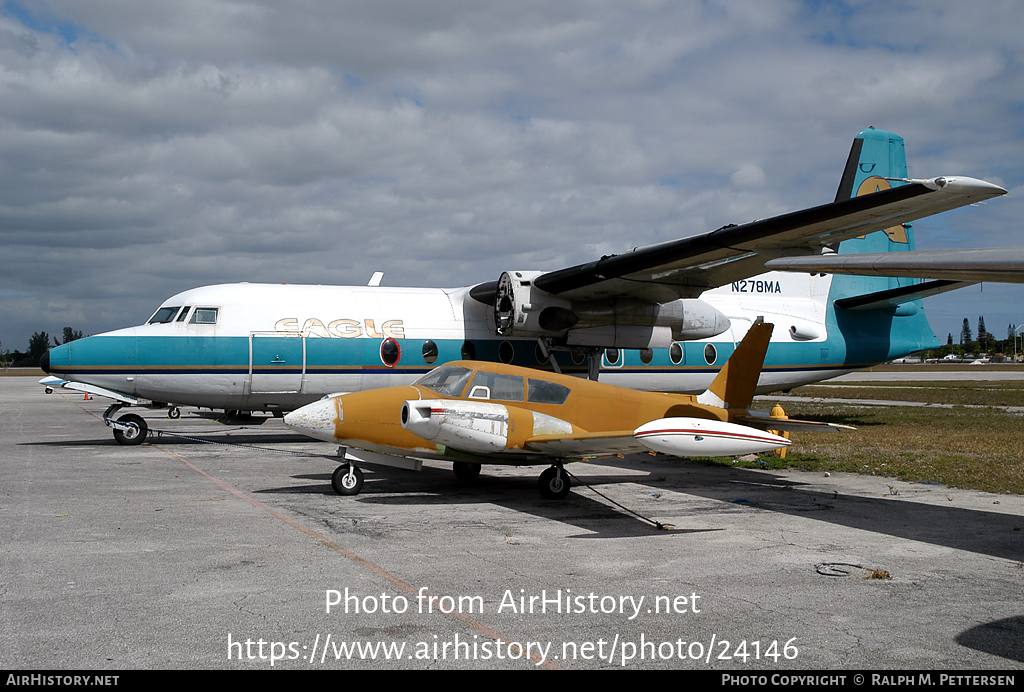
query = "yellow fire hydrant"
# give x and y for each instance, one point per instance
(778, 412)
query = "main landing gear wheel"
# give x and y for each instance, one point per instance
(346, 483)
(553, 484)
(136, 433)
(174, 413)
(466, 470)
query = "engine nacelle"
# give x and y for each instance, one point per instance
(516, 299)
(686, 318)
(469, 426)
(521, 309)
(701, 437)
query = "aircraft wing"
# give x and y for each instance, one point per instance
(1002, 264)
(586, 444)
(687, 267)
(679, 436)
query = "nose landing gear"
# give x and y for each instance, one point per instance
(130, 429)
(347, 479)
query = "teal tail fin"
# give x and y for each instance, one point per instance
(866, 306)
(877, 160)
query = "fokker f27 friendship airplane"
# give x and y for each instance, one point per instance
(663, 317)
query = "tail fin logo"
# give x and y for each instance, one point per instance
(897, 234)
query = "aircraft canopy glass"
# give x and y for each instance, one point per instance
(491, 385)
(542, 392)
(164, 315)
(449, 380)
(204, 316)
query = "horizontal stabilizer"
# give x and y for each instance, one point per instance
(791, 424)
(1005, 264)
(896, 296)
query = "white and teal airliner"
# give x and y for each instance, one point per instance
(664, 317)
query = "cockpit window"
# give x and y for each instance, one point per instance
(491, 385)
(204, 316)
(541, 392)
(449, 380)
(184, 313)
(164, 315)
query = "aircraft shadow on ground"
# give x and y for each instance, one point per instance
(1004, 638)
(438, 487)
(988, 533)
(182, 437)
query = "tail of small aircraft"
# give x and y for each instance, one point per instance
(880, 317)
(736, 382)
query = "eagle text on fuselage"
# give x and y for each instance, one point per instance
(345, 329)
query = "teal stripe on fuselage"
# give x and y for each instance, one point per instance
(874, 337)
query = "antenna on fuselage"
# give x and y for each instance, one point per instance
(375, 279)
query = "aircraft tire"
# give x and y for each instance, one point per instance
(552, 485)
(174, 413)
(341, 482)
(135, 436)
(466, 470)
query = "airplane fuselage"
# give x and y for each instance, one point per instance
(277, 347)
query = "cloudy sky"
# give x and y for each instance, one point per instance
(151, 147)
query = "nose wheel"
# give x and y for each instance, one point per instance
(347, 479)
(130, 429)
(553, 483)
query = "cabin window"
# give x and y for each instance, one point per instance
(468, 350)
(164, 315)
(204, 316)
(448, 380)
(500, 387)
(646, 356)
(611, 356)
(506, 352)
(429, 352)
(541, 392)
(578, 356)
(390, 352)
(184, 313)
(710, 354)
(675, 353)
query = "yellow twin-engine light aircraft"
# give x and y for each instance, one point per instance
(475, 413)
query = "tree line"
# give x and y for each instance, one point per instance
(38, 344)
(983, 342)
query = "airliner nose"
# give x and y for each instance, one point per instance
(318, 420)
(44, 362)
